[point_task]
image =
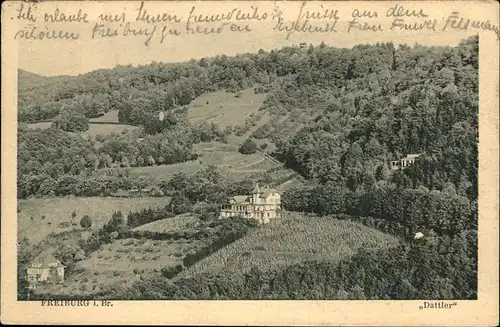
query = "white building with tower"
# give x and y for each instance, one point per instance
(262, 205)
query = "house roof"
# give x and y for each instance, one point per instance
(256, 190)
(240, 198)
(46, 258)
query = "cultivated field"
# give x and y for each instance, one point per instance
(106, 129)
(122, 262)
(129, 254)
(95, 129)
(59, 210)
(224, 108)
(43, 125)
(293, 240)
(227, 159)
(182, 222)
(108, 117)
(119, 264)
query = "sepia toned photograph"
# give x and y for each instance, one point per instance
(302, 167)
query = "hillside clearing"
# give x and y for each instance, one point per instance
(94, 129)
(106, 129)
(293, 240)
(59, 210)
(42, 125)
(125, 255)
(179, 223)
(232, 164)
(120, 263)
(108, 117)
(225, 108)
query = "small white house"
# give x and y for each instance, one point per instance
(45, 267)
(405, 162)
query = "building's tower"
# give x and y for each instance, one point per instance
(256, 193)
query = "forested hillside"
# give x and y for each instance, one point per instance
(338, 116)
(357, 107)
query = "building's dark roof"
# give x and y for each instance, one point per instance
(245, 199)
(240, 199)
(412, 156)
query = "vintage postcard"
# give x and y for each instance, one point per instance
(272, 163)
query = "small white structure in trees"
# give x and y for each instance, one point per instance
(405, 162)
(161, 116)
(418, 236)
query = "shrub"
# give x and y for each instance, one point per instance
(71, 121)
(128, 242)
(248, 147)
(228, 130)
(170, 272)
(240, 130)
(208, 215)
(86, 222)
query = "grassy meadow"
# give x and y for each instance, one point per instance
(121, 263)
(42, 125)
(108, 117)
(58, 210)
(225, 108)
(234, 165)
(95, 129)
(179, 223)
(292, 240)
(106, 129)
